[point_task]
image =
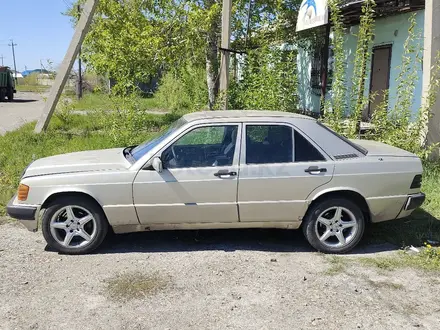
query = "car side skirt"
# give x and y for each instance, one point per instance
(208, 225)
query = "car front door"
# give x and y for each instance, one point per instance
(199, 178)
(279, 168)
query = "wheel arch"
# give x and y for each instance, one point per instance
(347, 193)
(58, 194)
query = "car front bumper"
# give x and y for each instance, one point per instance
(414, 201)
(27, 214)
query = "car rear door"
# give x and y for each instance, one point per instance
(199, 180)
(279, 168)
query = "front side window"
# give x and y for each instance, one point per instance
(203, 147)
(147, 146)
(268, 144)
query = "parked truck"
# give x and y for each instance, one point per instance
(7, 84)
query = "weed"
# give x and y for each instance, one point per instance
(428, 259)
(128, 286)
(385, 285)
(338, 265)
(383, 263)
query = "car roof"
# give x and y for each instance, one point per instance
(243, 114)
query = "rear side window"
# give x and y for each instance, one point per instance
(305, 151)
(268, 144)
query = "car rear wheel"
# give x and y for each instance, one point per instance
(334, 225)
(74, 225)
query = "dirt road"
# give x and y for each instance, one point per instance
(26, 107)
(240, 279)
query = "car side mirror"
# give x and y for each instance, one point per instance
(157, 165)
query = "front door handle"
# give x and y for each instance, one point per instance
(225, 173)
(315, 170)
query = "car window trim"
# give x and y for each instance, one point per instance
(235, 160)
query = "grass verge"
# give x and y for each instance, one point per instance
(66, 133)
(100, 101)
(32, 88)
(426, 259)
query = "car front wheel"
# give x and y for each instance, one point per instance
(334, 225)
(74, 225)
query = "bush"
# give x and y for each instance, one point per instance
(398, 126)
(269, 81)
(183, 89)
(31, 79)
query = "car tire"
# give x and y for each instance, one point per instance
(2, 94)
(74, 225)
(334, 225)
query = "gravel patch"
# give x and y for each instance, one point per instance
(236, 279)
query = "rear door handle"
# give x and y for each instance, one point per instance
(225, 173)
(315, 170)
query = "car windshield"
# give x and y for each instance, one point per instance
(145, 147)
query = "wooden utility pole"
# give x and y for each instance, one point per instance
(80, 83)
(66, 66)
(2, 57)
(226, 41)
(13, 56)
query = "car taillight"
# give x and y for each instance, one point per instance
(417, 182)
(23, 192)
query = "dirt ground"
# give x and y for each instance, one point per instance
(239, 279)
(26, 107)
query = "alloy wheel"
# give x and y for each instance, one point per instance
(336, 227)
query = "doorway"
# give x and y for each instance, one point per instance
(380, 76)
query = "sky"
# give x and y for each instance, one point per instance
(38, 28)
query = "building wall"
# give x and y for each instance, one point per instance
(385, 30)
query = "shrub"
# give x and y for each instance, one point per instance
(269, 81)
(183, 89)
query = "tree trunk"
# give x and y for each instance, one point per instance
(212, 59)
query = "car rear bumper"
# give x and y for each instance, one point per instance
(27, 214)
(414, 201)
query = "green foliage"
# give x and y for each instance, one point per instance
(105, 102)
(399, 126)
(31, 79)
(70, 132)
(358, 101)
(32, 88)
(269, 81)
(335, 110)
(184, 90)
(427, 259)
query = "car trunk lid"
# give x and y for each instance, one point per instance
(376, 149)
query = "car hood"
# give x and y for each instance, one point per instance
(84, 161)
(376, 149)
